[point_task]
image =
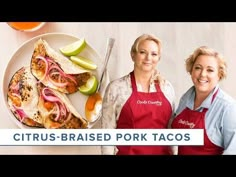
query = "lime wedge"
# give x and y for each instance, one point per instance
(74, 48)
(84, 62)
(90, 87)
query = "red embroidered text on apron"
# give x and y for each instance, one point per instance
(147, 111)
(194, 119)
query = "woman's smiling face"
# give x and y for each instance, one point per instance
(205, 73)
(147, 56)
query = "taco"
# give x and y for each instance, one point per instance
(56, 71)
(36, 105)
(22, 98)
(57, 110)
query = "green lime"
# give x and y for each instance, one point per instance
(90, 87)
(74, 48)
(83, 62)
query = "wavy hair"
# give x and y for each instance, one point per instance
(204, 50)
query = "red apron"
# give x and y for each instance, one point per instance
(144, 111)
(194, 119)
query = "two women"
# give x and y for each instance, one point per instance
(205, 105)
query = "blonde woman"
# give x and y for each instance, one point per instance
(142, 99)
(206, 106)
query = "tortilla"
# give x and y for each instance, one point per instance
(36, 105)
(22, 98)
(57, 110)
(55, 70)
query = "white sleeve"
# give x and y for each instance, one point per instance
(108, 117)
(116, 95)
(229, 130)
(169, 92)
(108, 150)
(108, 109)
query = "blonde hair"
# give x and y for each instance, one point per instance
(146, 37)
(204, 50)
(134, 49)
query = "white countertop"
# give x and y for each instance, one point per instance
(10, 41)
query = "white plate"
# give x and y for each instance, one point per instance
(22, 57)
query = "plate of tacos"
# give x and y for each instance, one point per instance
(41, 85)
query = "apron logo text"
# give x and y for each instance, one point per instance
(158, 103)
(185, 122)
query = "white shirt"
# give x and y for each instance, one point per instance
(220, 119)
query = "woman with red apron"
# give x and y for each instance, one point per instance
(140, 100)
(138, 113)
(205, 106)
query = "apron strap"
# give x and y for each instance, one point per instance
(133, 82)
(134, 86)
(205, 109)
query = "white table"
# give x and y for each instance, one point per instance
(10, 41)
